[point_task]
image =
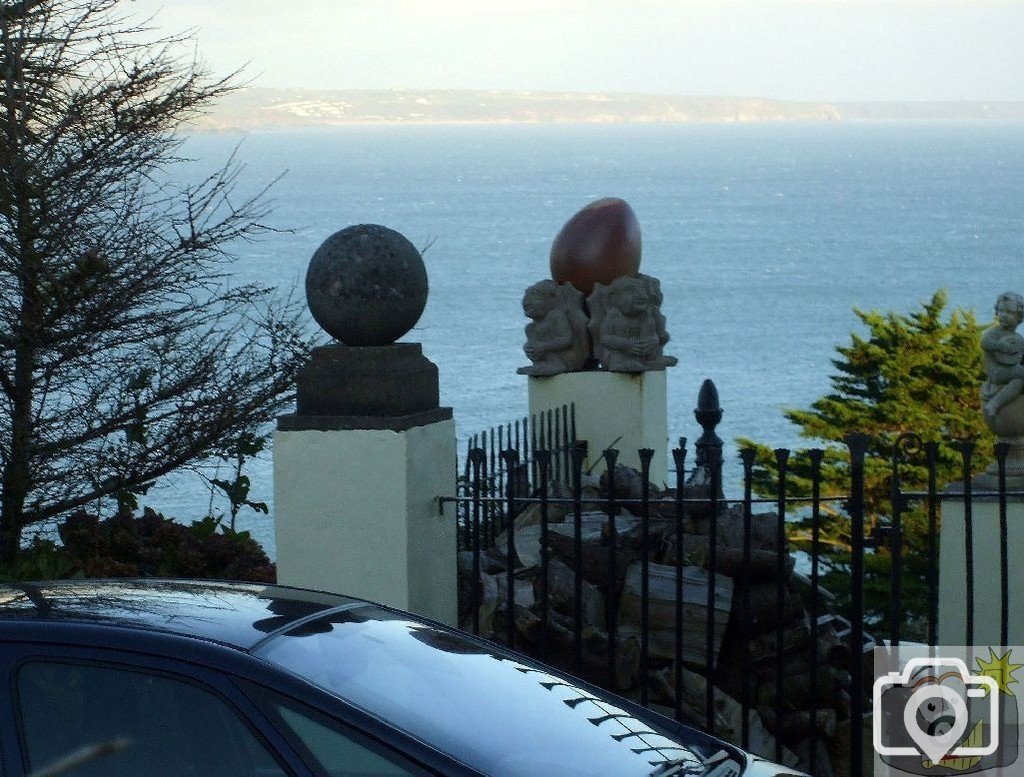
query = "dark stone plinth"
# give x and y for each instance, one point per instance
(378, 382)
(366, 285)
(330, 423)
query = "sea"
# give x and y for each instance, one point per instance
(766, 238)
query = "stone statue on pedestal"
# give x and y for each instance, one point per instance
(597, 254)
(627, 326)
(556, 337)
(1002, 394)
(1004, 354)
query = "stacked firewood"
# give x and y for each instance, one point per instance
(810, 710)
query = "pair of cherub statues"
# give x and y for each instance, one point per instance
(624, 332)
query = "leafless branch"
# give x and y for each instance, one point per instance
(125, 350)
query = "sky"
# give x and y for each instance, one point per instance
(836, 50)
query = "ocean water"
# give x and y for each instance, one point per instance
(765, 237)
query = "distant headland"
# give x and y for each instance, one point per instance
(258, 108)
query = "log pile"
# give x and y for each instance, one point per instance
(811, 708)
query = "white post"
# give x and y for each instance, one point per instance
(356, 512)
(986, 571)
(626, 411)
(361, 464)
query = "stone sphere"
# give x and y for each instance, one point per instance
(366, 285)
(597, 245)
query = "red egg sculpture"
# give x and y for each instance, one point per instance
(597, 245)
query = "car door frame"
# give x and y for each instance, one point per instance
(15, 654)
(226, 670)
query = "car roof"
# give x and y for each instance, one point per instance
(236, 614)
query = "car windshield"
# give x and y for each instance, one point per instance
(495, 712)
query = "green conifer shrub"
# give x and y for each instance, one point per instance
(917, 373)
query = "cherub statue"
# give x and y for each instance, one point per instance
(1003, 348)
(627, 326)
(556, 338)
(654, 289)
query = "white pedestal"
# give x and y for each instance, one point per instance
(987, 596)
(356, 512)
(611, 405)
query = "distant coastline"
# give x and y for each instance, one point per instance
(257, 108)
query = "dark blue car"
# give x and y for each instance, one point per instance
(158, 678)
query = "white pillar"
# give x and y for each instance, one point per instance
(356, 512)
(627, 411)
(986, 551)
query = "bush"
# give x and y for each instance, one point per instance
(147, 545)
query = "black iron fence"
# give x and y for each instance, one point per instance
(485, 468)
(752, 618)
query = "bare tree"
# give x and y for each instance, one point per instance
(125, 353)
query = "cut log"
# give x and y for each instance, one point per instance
(729, 529)
(488, 602)
(527, 536)
(530, 626)
(522, 591)
(762, 614)
(797, 690)
(661, 690)
(797, 725)
(763, 563)
(662, 610)
(839, 749)
(822, 766)
(562, 594)
(593, 534)
(627, 657)
(794, 637)
(662, 593)
(728, 560)
(698, 487)
(832, 649)
(727, 711)
(843, 704)
(628, 483)
(487, 564)
(826, 599)
(594, 644)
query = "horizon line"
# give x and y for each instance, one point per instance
(612, 92)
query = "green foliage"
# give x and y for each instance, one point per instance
(914, 373)
(42, 560)
(236, 452)
(147, 545)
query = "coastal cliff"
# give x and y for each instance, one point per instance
(258, 108)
